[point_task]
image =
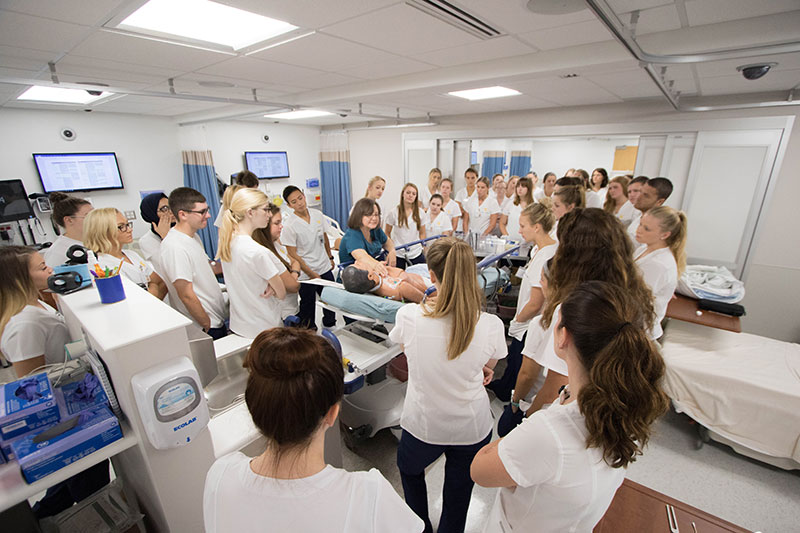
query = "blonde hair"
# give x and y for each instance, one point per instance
(540, 213)
(372, 182)
(675, 223)
(610, 204)
(402, 220)
(459, 296)
(227, 196)
(16, 286)
(100, 230)
(242, 200)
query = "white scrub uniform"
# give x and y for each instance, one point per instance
(531, 278)
(247, 276)
(439, 225)
(237, 499)
(405, 234)
(183, 257)
(480, 214)
(309, 240)
(505, 203)
(634, 225)
(561, 484)
(660, 273)
(57, 253)
(446, 402)
(538, 194)
(290, 304)
(138, 270)
(512, 224)
(627, 213)
(150, 245)
(596, 198)
(462, 197)
(452, 209)
(33, 332)
(539, 345)
(425, 196)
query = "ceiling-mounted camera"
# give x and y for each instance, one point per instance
(265, 138)
(93, 92)
(755, 71)
(68, 134)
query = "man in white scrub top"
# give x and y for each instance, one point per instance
(653, 194)
(194, 289)
(305, 240)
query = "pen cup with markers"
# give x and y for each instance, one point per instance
(110, 289)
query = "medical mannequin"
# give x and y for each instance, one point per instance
(617, 202)
(560, 469)
(288, 267)
(304, 236)
(482, 210)
(194, 289)
(252, 277)
(106, 231)
(661, 256)
(68, 213)
(548, 186)
(434, 181)
(364, 240)
(406, 223)
(294, 390)
(535, 224)
(592, 246)
(451, 347)
(509, 218)
(449, 205)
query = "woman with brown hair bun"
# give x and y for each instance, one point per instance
(560, 469)
(294, 391)
(68, 214)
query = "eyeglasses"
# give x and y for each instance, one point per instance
(374, 215)
(201, 212)
(125, 227)
(163, 209)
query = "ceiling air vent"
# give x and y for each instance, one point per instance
(456, 16)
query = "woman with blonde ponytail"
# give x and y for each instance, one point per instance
(452, 348)
(661, 256)
(560, 469)
(251, 271)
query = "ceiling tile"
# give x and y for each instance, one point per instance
(774, 81)
(242, 88)
(728, 67)
(713, 11)
(24, 58)
(572, 91)
(310, 13)
(395, 66)
(627, 85)
(481, 51)
(323, 52)
(85, 12)
(663, 18)
(626, 6)
(590, 31)
(128, 49)
(248, 68)
(401, 29)
(36, 33)
(515, 17)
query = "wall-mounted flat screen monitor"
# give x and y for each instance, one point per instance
(473, 158)
(14, 203)
(267, 165)
(78, 172)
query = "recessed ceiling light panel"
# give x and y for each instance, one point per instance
(485, 93)
(61, 95)
(202, 20)
(302, 113)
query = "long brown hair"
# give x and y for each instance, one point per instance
(610, 204)
(676, 224)
(528, 184)
(574, 195)
(402, 220)
(593, 245)
(623, 396)
(64, 206)
(16, 286)
(263, 236)
(459, 296)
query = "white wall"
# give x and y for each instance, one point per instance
(146, 148)
(376, 153)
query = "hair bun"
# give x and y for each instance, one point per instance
(58, 197)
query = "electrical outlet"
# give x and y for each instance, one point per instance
(130, 215)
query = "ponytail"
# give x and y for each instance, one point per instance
(240, 202)
(64, 206)
(676, 224)
(263, 236)
(459, 296)
(623, 396)
(574, 195)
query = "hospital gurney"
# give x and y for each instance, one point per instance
(744, 390)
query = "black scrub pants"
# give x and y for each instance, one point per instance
(503, 386)
(62, 495)
(405, 263)
(308, 299)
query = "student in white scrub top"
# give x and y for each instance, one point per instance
(662, 256)
(437, 221)
(482, 211)
(193, 287)
(289, 268)
(405, 223)
(560, 469)
(654, 193)
(617, 202)
(535, 224)
(510, 192)
(466, 194)
(154, 209)
(452, 348)
(509, 217)
(634, 191)
(375, 189)
(449, 205)
(253, 280)
(31, 332)
(68, 213)
(106, 231)
(497, 189)
(244, 179)
(598, 186)
(434, 181)
(294, 391)
(547, 188)
(592, 246)
(565, 199)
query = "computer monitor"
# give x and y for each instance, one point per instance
(78, 172)
(267, 165)
(14, 203)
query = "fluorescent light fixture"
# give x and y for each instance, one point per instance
(202, 20)
(301, 113)
(485, 93)
(60, 95)
(278, 43)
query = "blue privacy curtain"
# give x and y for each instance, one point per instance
(492, 163)
(334, 169)
(198, 173)
(520, 163)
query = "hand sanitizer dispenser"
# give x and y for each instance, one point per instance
(171, 403)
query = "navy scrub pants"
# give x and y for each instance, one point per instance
(414, 455)
(308, 299)
(503, 386)
(404, 263)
